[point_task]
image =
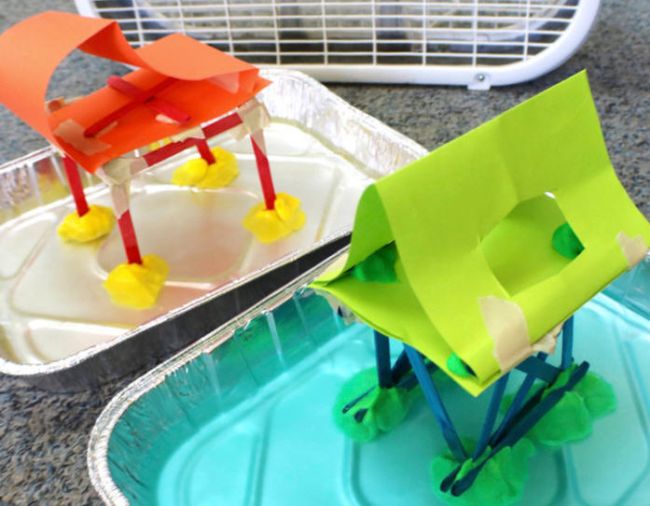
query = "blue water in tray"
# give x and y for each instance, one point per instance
(250, 423)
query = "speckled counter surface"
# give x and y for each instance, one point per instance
(43, 436)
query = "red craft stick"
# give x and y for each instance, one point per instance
(204, 150)
(155, 103)
(136, 101)
(264, 172)
(76, 187)
(211, 130)
(127, 231)
(166, 151)
(221, 125)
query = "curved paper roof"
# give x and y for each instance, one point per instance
(210, 83)
(472, 224)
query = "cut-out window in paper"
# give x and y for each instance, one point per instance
(520, 249)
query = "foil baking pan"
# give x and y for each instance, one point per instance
(58, 328)
(244, 416)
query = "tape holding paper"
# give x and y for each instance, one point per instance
(254, 117)
(72, 133)
(634, 248)
(506, 325)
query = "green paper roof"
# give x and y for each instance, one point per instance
(473, 223)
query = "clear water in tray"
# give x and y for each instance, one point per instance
(52, 303)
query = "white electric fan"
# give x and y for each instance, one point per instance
(477, 43)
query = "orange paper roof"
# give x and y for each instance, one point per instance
(209, 83)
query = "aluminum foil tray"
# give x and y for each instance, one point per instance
(243, 417)
(57, 326)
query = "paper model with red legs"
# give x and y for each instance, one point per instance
(181, 94)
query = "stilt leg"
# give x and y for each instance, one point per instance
(263, 168)
(533, 411)
(76, 187)
(204, 151)
(491, 416)
(517, 403)
(435, 403)
(382, 354)
(120, 197)
(401, 367)
(129, 239)
(567, 344)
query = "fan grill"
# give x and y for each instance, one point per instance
(352, 33)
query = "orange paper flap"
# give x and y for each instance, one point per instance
(32, 49)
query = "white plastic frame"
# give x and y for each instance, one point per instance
(475, 77)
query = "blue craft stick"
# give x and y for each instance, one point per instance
(435, 403)
(567, 344)
(491, 416)
(540, 407)
(382, 355)
(517, 402)
(401, 367)
(539, 369)
(409, 380)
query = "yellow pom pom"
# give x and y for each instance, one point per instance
(137, 285)
(269, 225)
(198, 173)
(96, 223)
(190, 173)
(222, 172)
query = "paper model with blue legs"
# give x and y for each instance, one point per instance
(476, 257)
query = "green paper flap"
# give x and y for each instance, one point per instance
(473, 224)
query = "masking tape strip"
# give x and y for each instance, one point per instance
(547, 343)
(634, 248)
(121, 170)
(506, 324)
(258, 138)
(72, 133)
(254, 117)
(117, 174)
(120, 198)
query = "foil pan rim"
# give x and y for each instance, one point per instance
(97, 453)
(407, 146)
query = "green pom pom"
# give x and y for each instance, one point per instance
(378, 267)
(572, 418)
(597, 394)
(567, 422)
(375, 411)
(501, 482)
(566, 242)
(458, 367)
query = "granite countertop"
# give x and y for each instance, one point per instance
(43, 436)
